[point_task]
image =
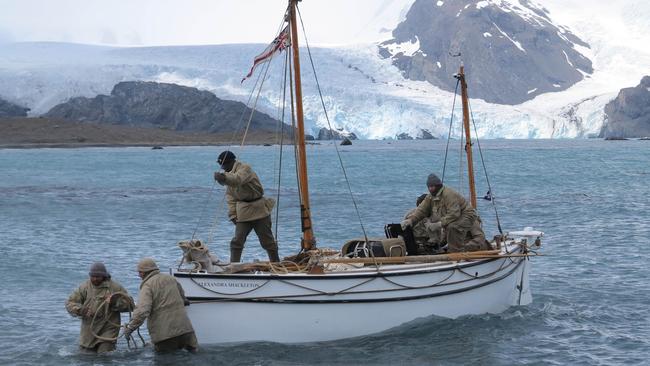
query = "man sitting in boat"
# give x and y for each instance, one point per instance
(458, 219)
(426, 233)
(248, 209)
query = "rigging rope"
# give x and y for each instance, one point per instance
(232, 139)
(451, 124)
(284, 98)
(487, 178)
(338, 153)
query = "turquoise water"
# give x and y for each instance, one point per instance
(62, 209)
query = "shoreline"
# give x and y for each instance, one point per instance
(34, 133)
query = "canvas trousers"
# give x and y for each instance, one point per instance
(263, 230)
(101, 347)
(465, 235)
(185, 341)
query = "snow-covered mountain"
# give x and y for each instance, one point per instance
(512, 51)
(364, 93)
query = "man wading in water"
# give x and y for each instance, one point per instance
(98, 302)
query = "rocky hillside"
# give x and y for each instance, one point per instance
(8, 109)
(512, 51)
(629, 114)
(170, 106)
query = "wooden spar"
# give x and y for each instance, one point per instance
(450, 257)
(468, 138)
(308, 241)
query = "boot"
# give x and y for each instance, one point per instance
(235, 255)
(273, 255)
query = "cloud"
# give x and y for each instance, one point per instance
(176, 22)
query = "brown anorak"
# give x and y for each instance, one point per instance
(420, 231)
(161, 301)
(245, 194)
(457, 216)
(90, 299)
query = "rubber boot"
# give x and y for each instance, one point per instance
(273, 255)
(235, 255)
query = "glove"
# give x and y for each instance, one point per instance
(219, 177)
(433, 226)
(127, 332)
(87, 313)
(234, 221)
(405, 224)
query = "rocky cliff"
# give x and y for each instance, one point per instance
(327, 134)
(512, 51)
(163, 105)
(8, 109)
(629, 114)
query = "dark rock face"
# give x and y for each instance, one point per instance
(511, 54)
(327, 134)
(162, 105)
(425, 135)
(346, 141)
(8, 109)
(404, 136)
(629, 114)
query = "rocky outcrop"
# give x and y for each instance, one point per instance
(8, 109)
(168, 106)
(629, 114)
(425, 135)
(327, 134)
(512, 51)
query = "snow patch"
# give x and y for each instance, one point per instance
(487, 34)
(557, 85)
(531, 91)
(440, 3)
(405, 48)
(567, 58)
(482, 4)
(517, 44)
(439, 64)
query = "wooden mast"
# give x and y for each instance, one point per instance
(308, 240)
(468, 139)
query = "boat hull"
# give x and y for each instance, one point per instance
(308, 308)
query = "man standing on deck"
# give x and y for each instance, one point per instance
(98, 302)
(248, 209)
(162, 301)
(458, 219)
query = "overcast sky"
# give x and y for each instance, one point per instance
(176, 22)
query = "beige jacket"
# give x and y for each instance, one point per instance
(245, 194)
(448, 204)
(161, 300)
(89, 296)
(420, 230)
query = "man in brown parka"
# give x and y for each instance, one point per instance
(248, 209)
(162, 301)
(458, 218)
(427, 240)
(98, 302)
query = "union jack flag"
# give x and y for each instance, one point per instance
(279, 44)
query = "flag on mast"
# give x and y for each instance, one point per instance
(280, 43)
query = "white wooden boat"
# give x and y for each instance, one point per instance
(329, 297)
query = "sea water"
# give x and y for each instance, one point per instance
(62, 209)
